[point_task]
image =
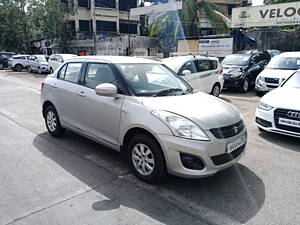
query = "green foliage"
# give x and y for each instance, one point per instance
(186, 22)
(268, 2)
(15, 30)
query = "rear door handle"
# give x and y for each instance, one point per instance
(81, 94)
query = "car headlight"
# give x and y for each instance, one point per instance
(259, 79)
(265, 106)
(180, 126)
(236, 74)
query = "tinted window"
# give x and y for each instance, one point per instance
(98, 73)
(214, 64)
(203, 65)
(72, 72)
(190, 65)
(61, 73)
(258, 57)
(52, 58)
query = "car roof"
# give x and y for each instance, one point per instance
(113, 59)
(20, 55)
(289, 54)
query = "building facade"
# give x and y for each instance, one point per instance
(104, 18)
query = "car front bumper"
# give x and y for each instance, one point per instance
(265, 87)
(210, 152)
(234, 82)
(265, 120)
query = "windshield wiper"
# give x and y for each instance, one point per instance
(166, 91)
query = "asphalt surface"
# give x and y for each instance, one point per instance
(72, 180)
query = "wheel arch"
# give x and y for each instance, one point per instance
(45, 105)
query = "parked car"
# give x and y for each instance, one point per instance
(202, 73)
(4, 56)
(18, 62)
(38, 63)
(279, 110)
(279, 68)
(160, 127)
(240, 70)
(273, 52)
(56, 60)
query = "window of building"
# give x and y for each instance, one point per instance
(128, 27)
(123, 4)
(84, 3)
(229, 10)
(84, 26)
(72, 27)
(105, 3)
(106, 26)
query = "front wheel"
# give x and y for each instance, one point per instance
(18, 68)
(245, 85)
(39, 70)
(216, 90)
(146, 158)
(51, 71)
(29, 69)
(52, 122)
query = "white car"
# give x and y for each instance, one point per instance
(279, 110)
(279, 68)
(56, 60)
(202, 73)
(38, 63)
(18, 62)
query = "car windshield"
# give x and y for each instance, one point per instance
(43, 58)
(152, 79)
(239, 60)
(293, 81)
(284, 63)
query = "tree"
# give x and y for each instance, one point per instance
(49, 19)
(269, 2)
(186, 22)
(15, 30)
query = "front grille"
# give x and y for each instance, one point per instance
(227, 157)
(272, 80)
(283, 113)
(228, 131)
(262, 122)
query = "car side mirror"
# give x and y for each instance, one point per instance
(106, 89)
(186, 72)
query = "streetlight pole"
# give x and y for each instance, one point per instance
(94, 27)
(128, 5)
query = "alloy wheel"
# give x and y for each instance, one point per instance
(216, 91)
(51, 121)
(143, 159)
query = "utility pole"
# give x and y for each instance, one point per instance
(128, 5)
(94, 26)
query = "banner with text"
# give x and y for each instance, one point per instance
(218, 47)
(266, 15)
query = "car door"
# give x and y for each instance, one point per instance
(190, 66)
(203, 80)
(100, 115)
(34, 63)
(65, 92)
(256, 65)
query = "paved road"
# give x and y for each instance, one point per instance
(73, 180)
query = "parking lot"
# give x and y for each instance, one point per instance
(72, 180)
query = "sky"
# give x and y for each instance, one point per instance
(257, 2)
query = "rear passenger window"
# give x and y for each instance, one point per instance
(99, 73)
(190, 65)
(214, 64)
(203, 65)
(72, 72)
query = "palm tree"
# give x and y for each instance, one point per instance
(186, 22)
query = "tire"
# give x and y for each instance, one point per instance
(39, 70)
(51, 70)
(259, 93)
(29, 69)
(216, 90)
(139, 157)
(52, 122)
(18, 68)
(1, 66)
(245, 86)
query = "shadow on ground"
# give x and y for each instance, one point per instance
(236, 193)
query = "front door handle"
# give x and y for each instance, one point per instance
(81, 94)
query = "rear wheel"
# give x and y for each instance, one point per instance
(39, 70)
(216, 90)
(146, 158)
(1, 66)
(245, 85)
(18, 68)
(52, 122)
(29, 69)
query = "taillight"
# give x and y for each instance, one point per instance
(42, 85)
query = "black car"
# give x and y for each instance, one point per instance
(4, 56)
(241, 69)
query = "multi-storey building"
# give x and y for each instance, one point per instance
(104, 17)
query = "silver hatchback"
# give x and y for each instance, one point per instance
(147, 112)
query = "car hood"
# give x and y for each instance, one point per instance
(274, 73)
(229, 68)
(205, 110)
(283, 98)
